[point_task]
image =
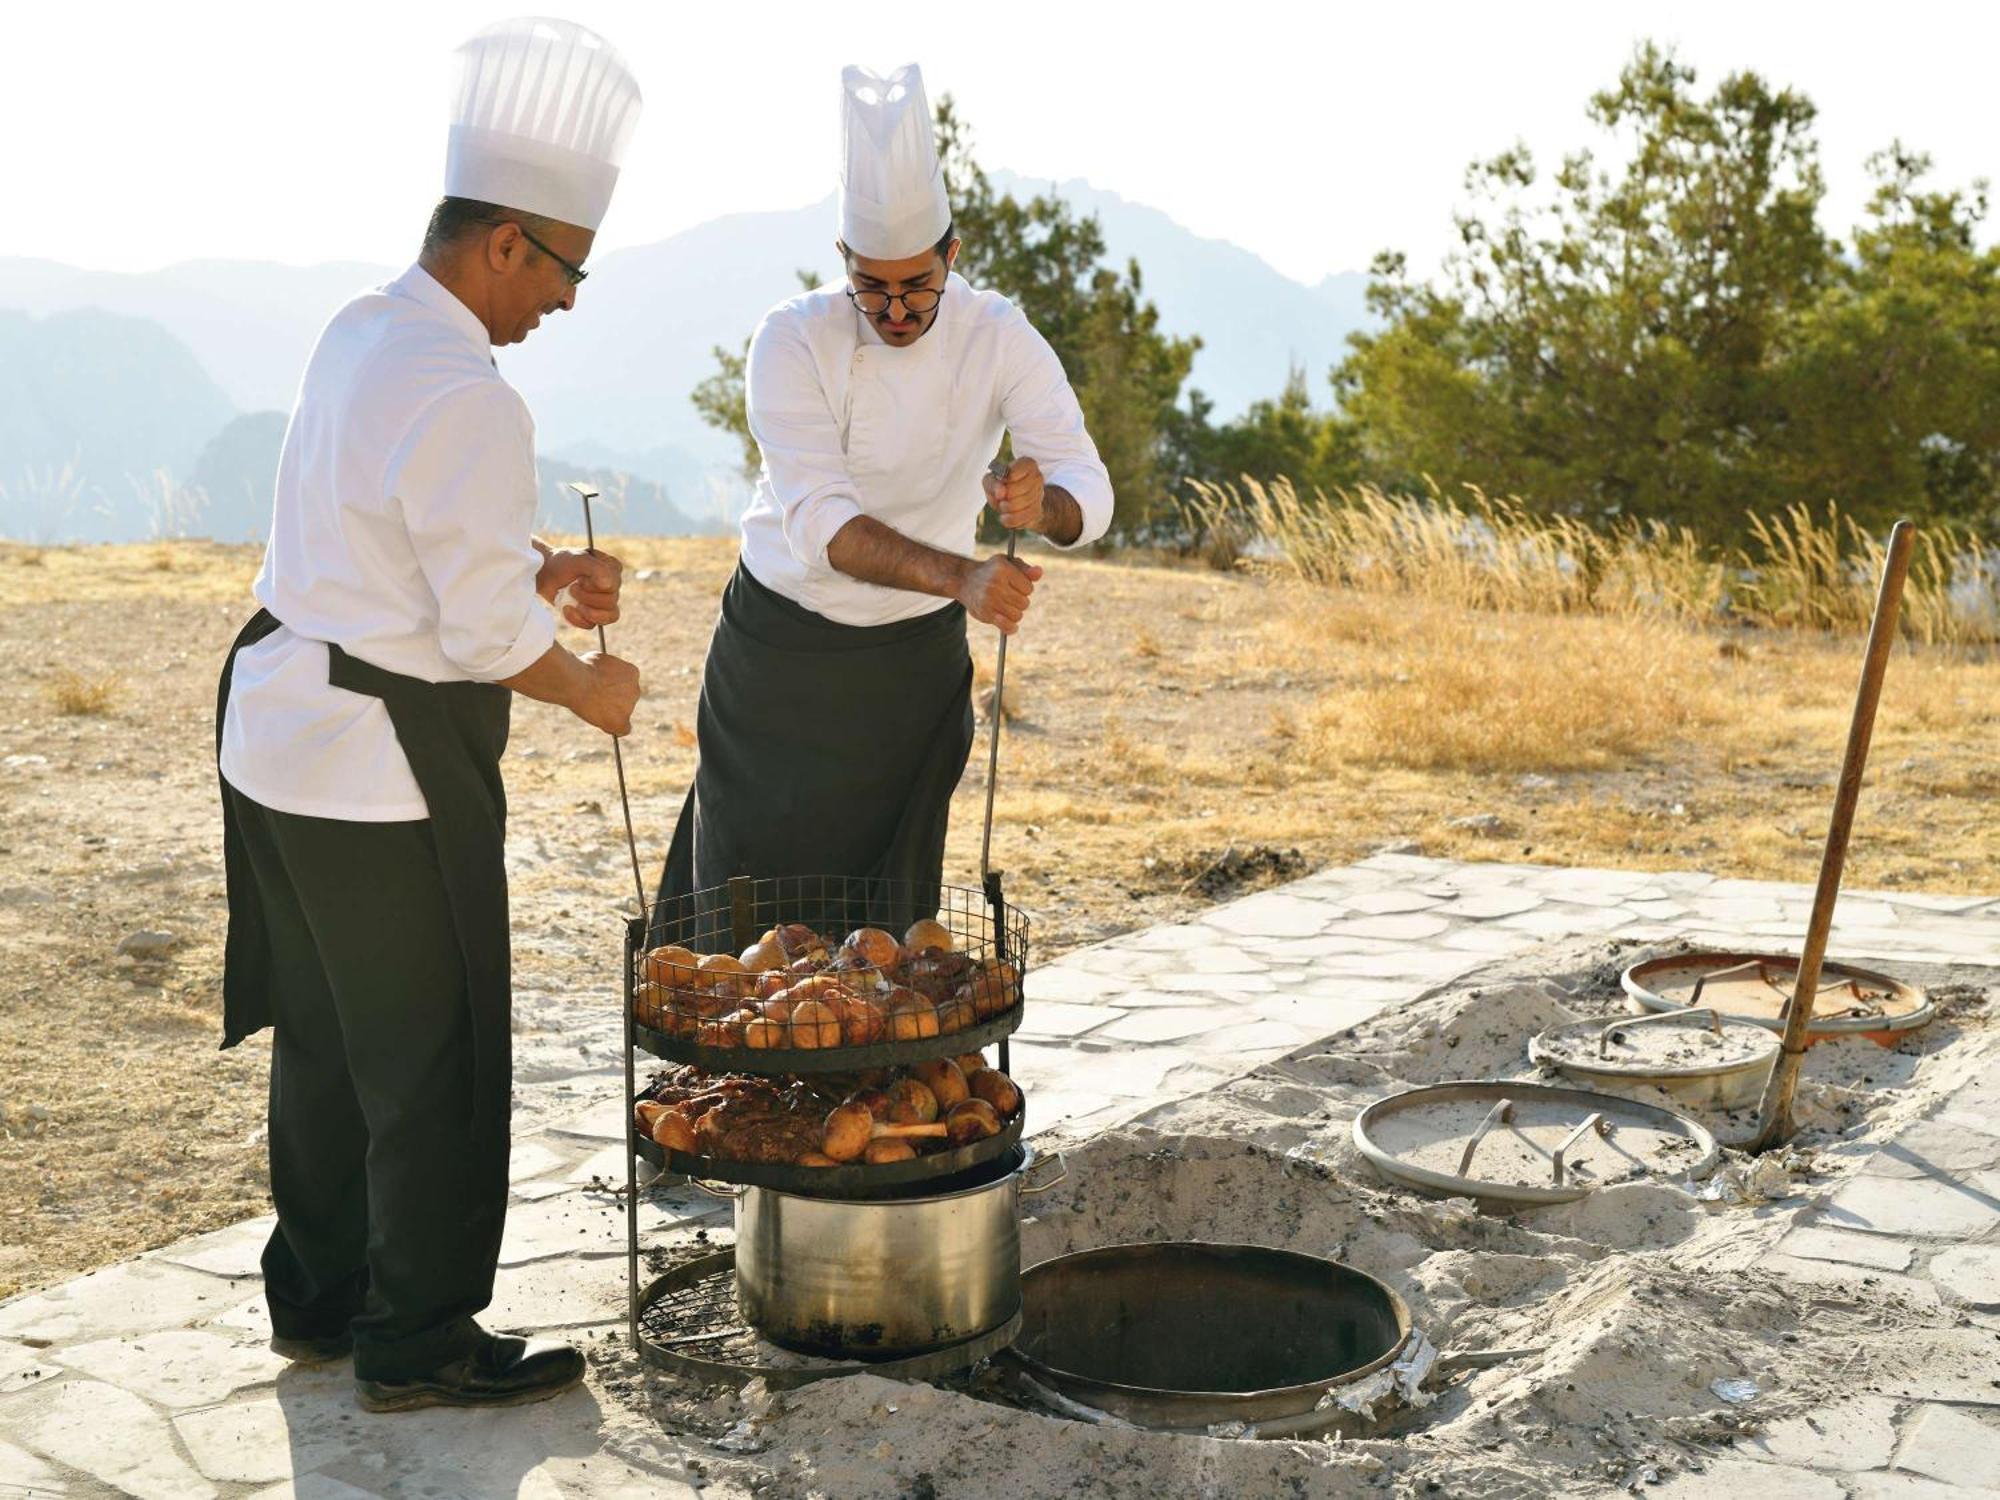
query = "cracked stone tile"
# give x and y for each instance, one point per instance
(235, 1252)
(603, 1121)
(1118, 962)
(1174, 938)
(1310, 950)
(1726, 1479)
(247, 1321)
(1053, 1019)
(1218, 960)
(1936, 1364)
(1389, 903)
(1969, 1274)
(1262, 1036)
(1060, 982)
(1949, 1445)
(1210, 984)
(1890, 1486)
(1127, 1072)
(1409, 927)
(574, 1224)
(1063, 1109)
(566, 1293)
(1317, 1016)
(1737, 911)
(1554, 920)
(177, 1368)
(1274, 914)
(113, 1436)
(21, 1367)
(1662, 910)
(1930, 1148)
(21, 1473)
(314, 1487)
(1484, 906)
(1346, 987)
(1920, 1207)
(256, 1442)
(1853, 1249)
(531, 1159)
(1487, 940)
(607, 1165)
(1164, 1024)
(1847, 1435)
(133, 1297)
(1857, 1283)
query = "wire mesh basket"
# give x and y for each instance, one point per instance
(824, 973)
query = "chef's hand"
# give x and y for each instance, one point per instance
(609, 692)
(592, 579)
(996, 592)
(1017, 499)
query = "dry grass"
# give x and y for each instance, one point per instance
(1431, 687)
(82, 694)
(1483, 553)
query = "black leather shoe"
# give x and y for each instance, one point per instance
(313, 1351)
(499, 1372)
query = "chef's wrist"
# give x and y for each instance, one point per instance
(1062, 517)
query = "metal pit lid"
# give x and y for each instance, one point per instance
(1756, 987)
(1675, 1044)
(1526, 1143)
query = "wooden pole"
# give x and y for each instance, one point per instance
(1774, 1110)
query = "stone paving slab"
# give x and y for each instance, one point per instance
(166, 1355)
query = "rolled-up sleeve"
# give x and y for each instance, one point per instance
(795, 430)
(1046, 424)
(465, 480)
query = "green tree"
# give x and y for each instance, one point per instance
(719, 399)
(1286, 436)
(1613, 349)
(1892, 387)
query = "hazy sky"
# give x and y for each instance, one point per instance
(1313, 134)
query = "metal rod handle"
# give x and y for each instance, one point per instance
(999, 471)
(586, 494)
(1499, 1114)
(1591, 1122)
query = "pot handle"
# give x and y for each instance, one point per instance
(1042, 1187)
(729, 1193)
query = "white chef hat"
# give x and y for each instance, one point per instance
(539, 119)
(892, 201)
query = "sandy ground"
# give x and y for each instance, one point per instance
(1637, 1299)
(1154, 766)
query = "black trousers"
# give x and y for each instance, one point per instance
(390, 1206)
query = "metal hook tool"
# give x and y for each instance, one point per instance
(586, 494)
(998, 470)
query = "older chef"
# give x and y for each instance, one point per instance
(836, 711)
(361, 720)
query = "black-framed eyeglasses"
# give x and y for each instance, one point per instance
(919, 300)
(575, 273)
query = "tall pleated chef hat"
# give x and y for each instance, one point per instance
(892, 200)
(540, 118)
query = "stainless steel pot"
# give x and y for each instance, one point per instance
(883, 1276)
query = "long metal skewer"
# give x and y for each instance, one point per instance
(999, 471)
(586, 494)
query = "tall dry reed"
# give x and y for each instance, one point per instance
(1484, 552)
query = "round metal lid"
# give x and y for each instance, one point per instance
(1756, 987)
(1694, 1043)
(1525, 1143)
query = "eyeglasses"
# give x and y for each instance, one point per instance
(573, 272)
(920, 300)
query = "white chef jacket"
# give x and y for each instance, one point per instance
(405, 502)
(849, 425)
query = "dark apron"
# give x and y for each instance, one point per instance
(453, 734)
(825, 749)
